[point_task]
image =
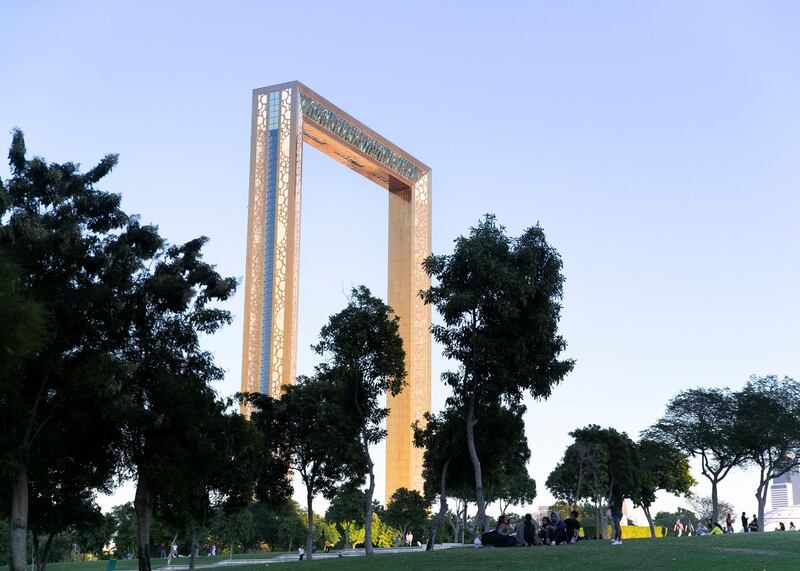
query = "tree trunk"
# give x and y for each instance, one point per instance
(194, 549)
(442, 508)
(19, 519)
(714, 501)
(476, 467)
(761, 496)
(310, 522)
(143, 504)
(464, 523)
(368, 500)
(347, 536)
(646, 510)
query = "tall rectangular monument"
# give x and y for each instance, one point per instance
(285, 116)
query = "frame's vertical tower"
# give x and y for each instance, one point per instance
(285, 116)
(273, 241)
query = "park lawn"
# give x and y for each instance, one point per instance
(771, 551)
(156, 563)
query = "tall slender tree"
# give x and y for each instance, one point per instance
(364, 354)
(317, 438)
(500, 301)
(662, 468)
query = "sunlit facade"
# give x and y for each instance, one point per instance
(285, 116)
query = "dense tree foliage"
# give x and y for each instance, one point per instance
(363, 354)
(768, 427)
(702, 423)
(499, 299)
(662, 468)
(73, 251)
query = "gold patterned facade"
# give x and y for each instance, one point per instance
(285, 116)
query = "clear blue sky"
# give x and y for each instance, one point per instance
(657, 144)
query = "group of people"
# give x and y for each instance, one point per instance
(526, 533)
(715, 528)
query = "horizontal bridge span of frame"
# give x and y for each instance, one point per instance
(345, 139)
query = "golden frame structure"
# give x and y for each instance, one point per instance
(285, 116)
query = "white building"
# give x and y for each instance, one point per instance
(784, 501)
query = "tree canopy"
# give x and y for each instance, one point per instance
(500, 302)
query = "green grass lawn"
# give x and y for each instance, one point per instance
(130, 565)
(769, 551)
(758, 551)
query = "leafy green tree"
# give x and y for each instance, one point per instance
(499, 298)
(279, 525)
(703, 507)
(702, 423)
(668, 519)
(406, 509)
(73, 251)
(662, 468)
(364, 355)
(169, 304)
(317, 437)
(768, 426)
(615, 460)
(347, 510)
(443, 440)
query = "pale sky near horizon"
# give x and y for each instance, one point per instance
(656, 143)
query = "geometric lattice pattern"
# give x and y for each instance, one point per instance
(284, 117)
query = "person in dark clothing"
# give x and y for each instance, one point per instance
(543, 530)
(615, 507)
(529, 531)
(744, 522)
(558, 535)
(573, 526)
(500, 536)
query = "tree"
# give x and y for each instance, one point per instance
(615, 460)
(499, 299)
(702, 423)
(347, 510)
(317, 437)
(668, 519)
(768, 424)
(703, 507)
(406, 509)
(72, 250)
(170, 405)
(662, 468)
(364, 354)
(514, 489)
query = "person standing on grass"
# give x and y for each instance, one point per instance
(678, 527)
(302, 552)
(745, 529)
(615, 507)
(728, 523)
(689, 528)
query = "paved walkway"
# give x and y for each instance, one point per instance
(292, 557)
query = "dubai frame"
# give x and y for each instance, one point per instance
(285, 116)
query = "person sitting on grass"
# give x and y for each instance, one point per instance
(573, 526)
(701, 528)
(499, 536)
(544, 530)
(716, 530)
(754, 523)
(558, 535)
(526, 532)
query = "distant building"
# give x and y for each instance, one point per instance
(784, 499)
